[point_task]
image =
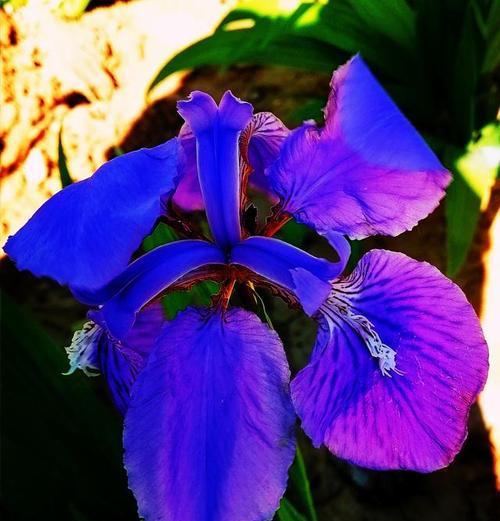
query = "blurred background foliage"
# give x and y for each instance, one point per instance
(439, 60)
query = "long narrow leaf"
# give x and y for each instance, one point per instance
(287, 512)
(474, 173)
(64, 174)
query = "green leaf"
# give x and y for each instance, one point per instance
(294, 233)
(261, 306)
(60, 441)
(383, 31)
(474, 172)
(252, 46)
(299, 483)
(312, 109)
(287, 512)
(262, 32)
(64, 174)
(72, 8)
(162, 234)
(392, 18)
(491, 60)
(466, 75)
(199, 295)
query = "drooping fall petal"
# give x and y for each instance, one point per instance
(209, 434)
(94, 350)
(398, 361)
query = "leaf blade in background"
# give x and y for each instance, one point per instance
(287, 512)
(64, 174)
(260, 32)
(474, 173)
(299, 483)
(491, 60)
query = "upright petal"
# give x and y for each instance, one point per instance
(209, 434)
(217, 131)
(399, 360)
(261, 142)
(307, 276)
(187, 195)
(147, 277)
(85, 235)
(367, 172)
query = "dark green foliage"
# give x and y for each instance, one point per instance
(60, 450)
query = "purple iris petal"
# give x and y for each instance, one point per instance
(402, 318)
(85, 235)
(263, 138)
(307, 276)
(145, 278)
(120, 366)
(188, 196)
(367, 172)
(217, 130)
(341, 245)
(93, 350)
(121, 362)
(209, 434)
(266, 134)
(144, 334)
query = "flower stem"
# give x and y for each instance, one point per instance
(275, 223)
(226, 292)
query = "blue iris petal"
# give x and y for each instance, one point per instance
(217, 130)
(150, 275)
(209, 433)
(307, 276)
(85, 235)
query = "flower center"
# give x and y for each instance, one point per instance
(337, 306)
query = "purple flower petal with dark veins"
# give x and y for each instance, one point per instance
(399, 360)
(265, 135)
(217, 130)
(85, 234)
(147, 277)
(367, 172)
(209, 433)
(305, 275)
(94, 350)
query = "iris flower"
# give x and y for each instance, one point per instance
(209, 410)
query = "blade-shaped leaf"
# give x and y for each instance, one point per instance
(288, 512)
(64, 174)
(299, 483)
(474, 173)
